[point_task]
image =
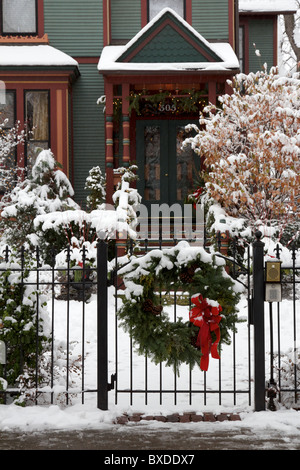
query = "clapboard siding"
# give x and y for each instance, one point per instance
(88, 127)
(125, 19)
(75, 26)
(210, 18)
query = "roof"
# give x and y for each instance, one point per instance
(35, 56)
(168, 43)
(267, 6)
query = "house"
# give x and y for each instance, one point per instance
(156, 66)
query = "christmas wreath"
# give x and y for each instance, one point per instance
(213, 293)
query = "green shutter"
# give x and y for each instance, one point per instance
(260, 34)
(125, 19)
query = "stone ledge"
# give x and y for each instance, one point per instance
(187, 417)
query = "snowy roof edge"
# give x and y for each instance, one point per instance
(34, 56)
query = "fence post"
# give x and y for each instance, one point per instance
(259, 323)
(102, 356)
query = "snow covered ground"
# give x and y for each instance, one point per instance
(87, 417)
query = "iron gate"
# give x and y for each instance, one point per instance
(238, 379)
(137, 381)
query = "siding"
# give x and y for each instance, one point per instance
(75, 26)
(261, 34)
(88, 127)
(125, 19)
(210, 18)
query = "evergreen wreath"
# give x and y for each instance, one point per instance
(181, 268)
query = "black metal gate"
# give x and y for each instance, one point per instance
(259, 368)
(136, 381)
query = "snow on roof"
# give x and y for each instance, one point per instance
(110, 54)
(40, 55)
(264, 6)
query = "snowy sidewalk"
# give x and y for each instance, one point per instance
(84, 427)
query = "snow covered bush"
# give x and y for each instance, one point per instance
(96, 185)
(24, 318)
(47, 190)
(251, 148)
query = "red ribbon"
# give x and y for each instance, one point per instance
(207, 318)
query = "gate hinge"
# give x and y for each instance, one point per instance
(111, 385)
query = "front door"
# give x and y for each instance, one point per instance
(166, 170)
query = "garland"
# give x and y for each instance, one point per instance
(191, 270)
(189, 101)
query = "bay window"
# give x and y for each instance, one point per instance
(7, 141)
(37, 120)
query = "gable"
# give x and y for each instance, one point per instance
(168, 39)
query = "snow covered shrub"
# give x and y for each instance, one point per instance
(24, 318)
(96, 184)
(47, 190)
(251, 149)
(288, 377)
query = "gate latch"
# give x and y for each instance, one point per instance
(111, 385)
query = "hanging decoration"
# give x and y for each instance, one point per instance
(164, 102)
(206, 315)
(149, 279)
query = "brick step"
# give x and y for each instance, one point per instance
(187, 417)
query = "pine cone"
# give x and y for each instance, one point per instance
(187, 274)
(148, 306)
(194, 341)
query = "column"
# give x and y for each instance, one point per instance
(109, 142)
(126, 124)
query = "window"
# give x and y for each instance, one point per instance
(37, 119)
(242, 48)
(19, 17)
(155, 6)
(7, 160)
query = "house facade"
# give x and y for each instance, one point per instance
(113, 82)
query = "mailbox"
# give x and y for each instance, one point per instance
(273, 271)
(273, 281)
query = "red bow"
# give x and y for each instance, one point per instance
(207, 318)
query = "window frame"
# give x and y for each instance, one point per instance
(12, 92)
(184, 10)
(36, 33)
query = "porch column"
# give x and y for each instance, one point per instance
(126, 124)
(212, 92)
(109, 141)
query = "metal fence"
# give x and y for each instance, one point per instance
(87, 344)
